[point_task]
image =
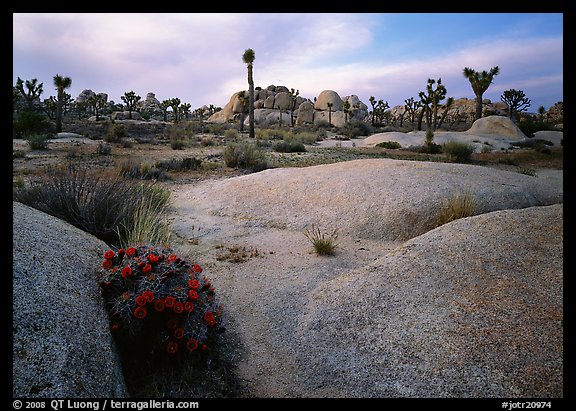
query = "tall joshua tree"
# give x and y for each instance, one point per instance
(32, 92)
(248, 57)
(330, 113)
(480, 82)
(244, 101)
(61, 84)
(293, 94)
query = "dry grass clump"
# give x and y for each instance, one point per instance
(323, 243)
(459, 205)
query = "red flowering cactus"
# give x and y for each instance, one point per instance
(152, 290)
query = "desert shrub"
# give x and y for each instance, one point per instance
(207, 141)
(529, 126)
(508, 160)
(179, 164)
(28, 123)
(232, 134)
(217, 128)
(457, 206)
(161, 307)
(18, 154)
(104, 149)
(102, 205)
(323, 243)
(126, 143)
(429, 137)
(131, 168)
(115, 133)
(426, 148)
(244, 155)
(304, 137)
(527, 171)
(37, 141)
(389, 144)
(458, 152)
(356, 128)
(289, 147)
(177, 143)
(322, 124)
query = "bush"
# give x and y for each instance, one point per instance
(458, 152)
(324, 244)
(177, 143)
(231, 134)
(289, 147)
(244, 155)
(160, 305)
(102, 205)
(37, 141)
(187, 163)
(104, 149)
(389, 144)
(130, 168)
(529, 126)
(356, 128)
(28, 123)
(116, 133)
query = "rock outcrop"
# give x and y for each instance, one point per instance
(496, 125)
(62, 346)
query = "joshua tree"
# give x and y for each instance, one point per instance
(516, 101)
(248, 57)
(32, 92)
(61, 83)
(185, 110)
(346, 110)
(67, 101)
(430, 101)
(293, 94)
(97, 102)
(164, 107)
(130, 98)
(446, 107)
(330, 105)
(410, 107)
(381, 108)
(49, 106)
(541, 112)
(372, 100)
(175, 104)
(480, 82)
(244, 101)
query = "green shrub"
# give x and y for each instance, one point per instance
(28, 123)
(232, 134)
(177, 143)
(356, 128)
(102, 205)
(389, 144)
(429, 137)
(289, 147)
(244, 155)
(458, 152)
(37, 141)
(175, 164)
(115, 133)
(529, 126)
(130, 168)
(323, 243)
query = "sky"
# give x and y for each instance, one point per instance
(197, 57)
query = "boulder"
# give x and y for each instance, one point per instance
(473, 308)
(496, 125)
(62, 346)
(338, 118)
(125, 115)
(269, 102)
(305, 113)
(282, 101)
(328, 96)
(555, 137)
(84, 96)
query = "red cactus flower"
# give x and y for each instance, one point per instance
(109, 254)
(188, 306)
(204, 347)
(149, 295)
(193, 284)
(141, 300)
(147, 268)
(140, 312)
(209, 316)
(193, 295)
(107, 264)
(172, 257)
(169, 301)
(127, 272)
(197, 268)
(178, 307)
(115, 326)
(172, 347)
(153, 258)
(159, 305)
(192, 344)
(179, 333)
(121, 252)
(130, 251)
